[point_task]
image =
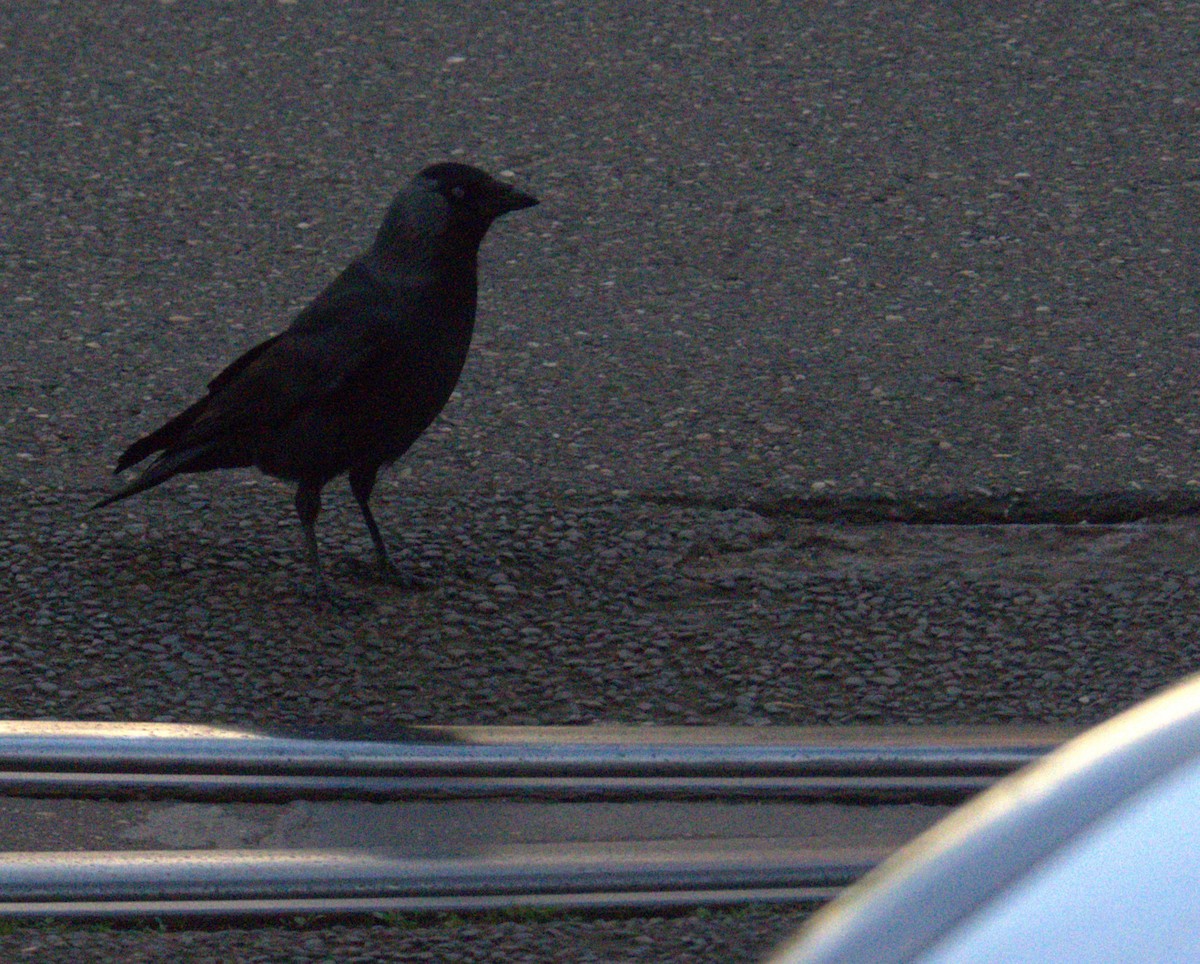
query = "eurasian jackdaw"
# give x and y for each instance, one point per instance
(361, 372)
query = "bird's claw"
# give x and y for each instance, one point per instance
(390, 575)
(328, 600)
(402, 578)
(342, 604)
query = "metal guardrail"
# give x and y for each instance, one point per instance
(868, 763)
(165, 883)
(542, 769)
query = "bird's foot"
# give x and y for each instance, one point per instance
(390, 575)
(402, 578)
(328, 600)
(343, 604)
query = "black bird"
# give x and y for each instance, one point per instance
(361, 372)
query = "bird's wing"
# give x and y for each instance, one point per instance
(168, 434)
(350, 326)
(230, 371)
(352, 322)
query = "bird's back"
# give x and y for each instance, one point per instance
(384, 360)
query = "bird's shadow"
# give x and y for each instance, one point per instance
(192, 562)
(370, 573)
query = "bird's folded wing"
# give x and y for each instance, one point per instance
(298, 371)
(354, 325)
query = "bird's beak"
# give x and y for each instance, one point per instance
(513, 200)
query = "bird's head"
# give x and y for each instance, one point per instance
(472, 193)
(443, 213)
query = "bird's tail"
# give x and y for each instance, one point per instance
(164, 467)
(163, 437)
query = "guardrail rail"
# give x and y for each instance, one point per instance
(126, 820)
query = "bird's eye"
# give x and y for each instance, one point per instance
(458, 192)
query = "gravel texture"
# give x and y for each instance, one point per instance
(784, 250)
(728, 936)
(582, 610)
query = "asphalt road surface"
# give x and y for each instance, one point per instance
(783, 250)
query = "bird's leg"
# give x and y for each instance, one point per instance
(362, 481)
(308, 507)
